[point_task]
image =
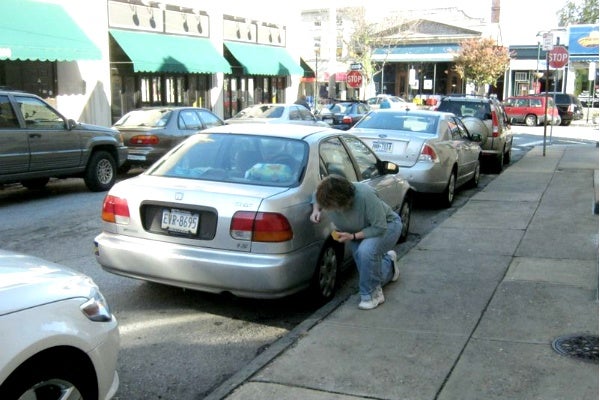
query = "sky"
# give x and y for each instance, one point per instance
(521, 20)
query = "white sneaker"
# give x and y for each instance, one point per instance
(394, 256)
(376, 299)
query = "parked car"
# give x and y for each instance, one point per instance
(588, 100)
(434, 150)
(394, 102)
(38, 143)
(569, 107)
(152, 131)
(530, 110)
(60, 339)
(227, 211)
(343, 114)
(496, 142)
(276, 113)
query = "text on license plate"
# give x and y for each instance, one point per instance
(382, 147)
(180, 221)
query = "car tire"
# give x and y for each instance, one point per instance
(101, 172)
(498, 161)
(405, 213)
(508, 155)
(48, 381)
(37, 183)
(531, 120)
(325, 277)
(447, 196)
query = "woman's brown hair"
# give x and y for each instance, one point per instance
(335, 192)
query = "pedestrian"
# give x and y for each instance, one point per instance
(369, 226)
(302, 101)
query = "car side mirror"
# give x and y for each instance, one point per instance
(390, 168)
(71, 124)
(476, 137)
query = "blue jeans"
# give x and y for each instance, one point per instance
(375, 267)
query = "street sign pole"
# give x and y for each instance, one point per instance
(546, 102)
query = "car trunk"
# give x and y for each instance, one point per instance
(190, 212)
(399, 147)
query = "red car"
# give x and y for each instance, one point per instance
(529, 110)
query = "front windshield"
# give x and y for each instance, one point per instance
(247, 159)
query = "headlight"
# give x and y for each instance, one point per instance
(96, 308)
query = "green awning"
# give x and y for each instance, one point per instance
(258, 59)
(32, 30)
(154, 52)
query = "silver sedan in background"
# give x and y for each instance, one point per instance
(435, 150)
(227, 211)
(276, 113)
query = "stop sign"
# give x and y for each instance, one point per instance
(354, 79)
(558, 57)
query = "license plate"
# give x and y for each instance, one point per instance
(133, 157)
(180, 221)
(382, 147)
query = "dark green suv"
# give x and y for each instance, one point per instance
(38, 143)
(496, 143)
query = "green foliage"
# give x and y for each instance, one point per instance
(574, 13)
(482, 61)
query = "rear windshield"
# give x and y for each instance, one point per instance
(399, 121)
(155, 118)
(262, 111)
(248, 159)
(461, 109)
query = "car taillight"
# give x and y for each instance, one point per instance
(144, 139)
(346, 120)
(495, 125)
(115, 210)
(571, 108)
(428, 154)
(260, 227)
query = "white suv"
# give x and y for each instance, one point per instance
(496, 145)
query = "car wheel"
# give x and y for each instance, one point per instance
(324, 281)
(38, 183)
(531, 120)
(404, 213)
(448, 193)
(48, 381)
(499, 162)
(508, 155)
(101, 172)
(474, 182)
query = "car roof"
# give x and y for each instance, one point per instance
(293, 131)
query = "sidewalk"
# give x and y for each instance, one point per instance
(480, 301)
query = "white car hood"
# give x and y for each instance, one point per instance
(27, 281)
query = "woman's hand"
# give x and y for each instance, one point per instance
(342, 236)
(315, 216)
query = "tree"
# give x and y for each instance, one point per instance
(481, 61)
(574, 13)
(370, 35)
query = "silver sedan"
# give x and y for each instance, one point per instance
(435, 150)
(228, 211)
(276, 113)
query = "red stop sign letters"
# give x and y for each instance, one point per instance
(558, 57)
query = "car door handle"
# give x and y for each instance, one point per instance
(35, 135)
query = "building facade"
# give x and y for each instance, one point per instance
(137, 53)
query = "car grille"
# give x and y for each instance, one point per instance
(151, 215)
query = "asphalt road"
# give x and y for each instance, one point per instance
(180, 344)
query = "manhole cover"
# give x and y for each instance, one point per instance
(583, 347)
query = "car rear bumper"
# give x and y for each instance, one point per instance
(426, 177)
(243, 274)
